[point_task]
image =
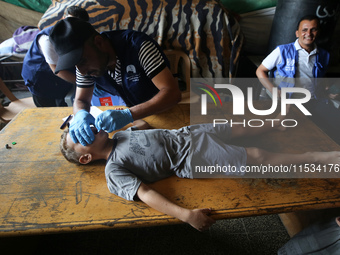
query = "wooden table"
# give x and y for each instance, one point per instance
(40, 192)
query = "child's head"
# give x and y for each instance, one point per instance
(67, 149)
(79, 154)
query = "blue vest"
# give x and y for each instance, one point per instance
(289, 60)
(38, 76)
(137, 86)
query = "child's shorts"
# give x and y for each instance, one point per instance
(212, 156)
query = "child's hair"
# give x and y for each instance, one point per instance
(69, 153)
(77, 12)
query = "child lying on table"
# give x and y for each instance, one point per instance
(135, 157)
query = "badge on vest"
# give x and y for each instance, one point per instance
(132, 74)
(290, 64)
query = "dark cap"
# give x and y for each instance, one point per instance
(68, 37)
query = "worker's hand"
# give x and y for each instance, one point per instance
(80, 130)
(200, 220)
(111, 120)
(333, 96)
(333, 91)
(278, 91)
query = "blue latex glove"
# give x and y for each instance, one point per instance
(111, 120)
(80, 130)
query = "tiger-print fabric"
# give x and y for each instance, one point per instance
(204, 30)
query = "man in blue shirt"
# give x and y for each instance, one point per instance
(300, 64)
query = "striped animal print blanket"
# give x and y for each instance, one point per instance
(204, 30)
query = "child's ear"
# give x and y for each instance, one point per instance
(85, 159)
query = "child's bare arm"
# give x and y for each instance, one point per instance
(197, 218)
(142, 124)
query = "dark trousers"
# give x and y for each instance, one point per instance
(48, 102)
(326, 116)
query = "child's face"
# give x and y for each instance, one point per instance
(100, 140)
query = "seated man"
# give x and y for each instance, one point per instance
(135, 157)
(301, 64)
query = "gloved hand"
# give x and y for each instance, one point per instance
(111, 120)
(80, 130)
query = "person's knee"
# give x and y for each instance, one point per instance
(238, 131)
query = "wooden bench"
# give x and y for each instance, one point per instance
(41, 192)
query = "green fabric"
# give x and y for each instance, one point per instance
(35, 5)
(243, 6)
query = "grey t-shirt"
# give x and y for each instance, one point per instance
(148, 156)
(154, 154)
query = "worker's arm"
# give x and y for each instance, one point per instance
(169, 95)
(80, 130)
(83, 99)
(198, 218)
(262, 74)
